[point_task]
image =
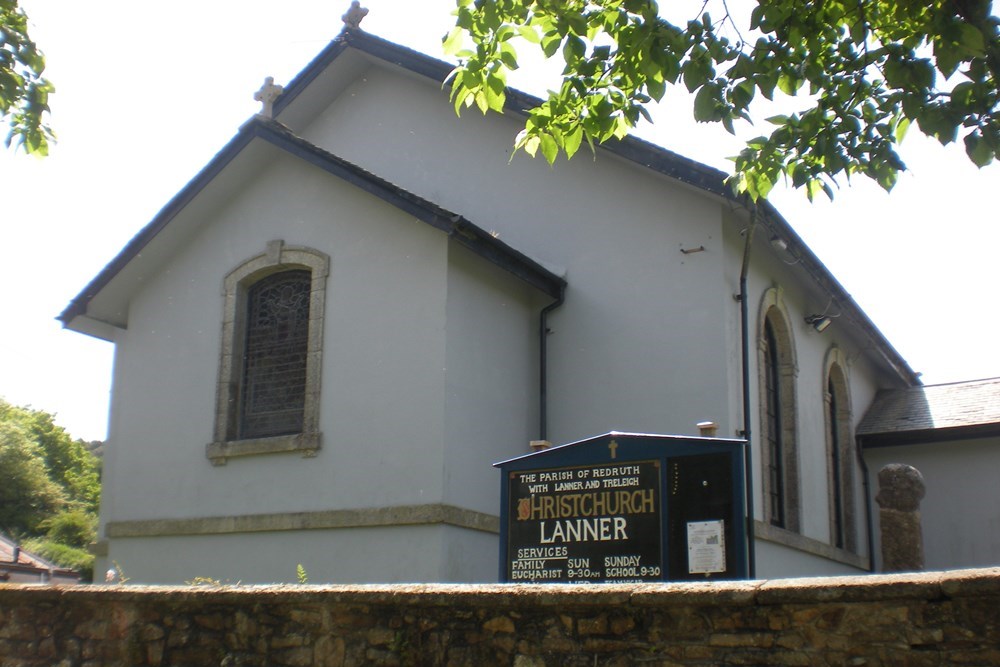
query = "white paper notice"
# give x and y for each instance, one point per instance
(706, 547)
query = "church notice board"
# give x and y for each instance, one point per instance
(624, 508)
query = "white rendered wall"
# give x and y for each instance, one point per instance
(358, 555)
(492, 379)
(382, 382)
(636, 346)
(648, 339)
(777, 561)
(383, 363)
(387, 355)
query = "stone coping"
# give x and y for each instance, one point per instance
(906, 586)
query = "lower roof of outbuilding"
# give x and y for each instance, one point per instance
(957, 410)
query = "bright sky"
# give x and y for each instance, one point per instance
(148, 92)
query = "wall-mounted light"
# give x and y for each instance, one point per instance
(779, 244)
(818, 322)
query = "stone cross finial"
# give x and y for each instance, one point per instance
(901, 488)
(267, 94)
(354, 15)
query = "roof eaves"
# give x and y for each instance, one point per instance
(464, 232)
(276, 134)
(78, 306)
(897, 438)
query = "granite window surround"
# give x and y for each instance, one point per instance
(277, 258)
(773, 318)
(840, 452)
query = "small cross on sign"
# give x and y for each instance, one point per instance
(613, 448)
(267, 94)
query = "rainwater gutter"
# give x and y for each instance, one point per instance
(745, 345)
(543, 389)
(866, 486)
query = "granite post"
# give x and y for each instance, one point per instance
(901, 488)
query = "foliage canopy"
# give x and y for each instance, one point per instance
(49, 487)
(24, 92)
(27, 495)
(867, 68)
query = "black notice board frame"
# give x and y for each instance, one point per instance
(605, 510)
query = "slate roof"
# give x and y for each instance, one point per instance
(934, 412)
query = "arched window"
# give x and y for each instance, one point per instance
(273, 387)
(840, 455)
(272, 337)
(778, 437)
(772, 427)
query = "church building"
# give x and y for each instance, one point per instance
(325, 340)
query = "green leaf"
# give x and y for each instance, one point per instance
(496, 96)
(573, 49)
(743, 94)
(814, 187)
(529, 33)
(453, 42)
(656, 87)
(757, 185)
(978, 150)
(901, 127)
(550, 150)
(481, 100)
(859, 31)
(706, 104)
(766, 82)
(572, 141)
(948, 56)
(465, 99)
(971, 40)
(962, 94)
(508, 56)
(697, 72)
(788, 83)
(531, 145)
(550, 43)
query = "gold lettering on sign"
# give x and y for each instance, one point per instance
(596, 503)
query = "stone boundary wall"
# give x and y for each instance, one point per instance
(946, 618)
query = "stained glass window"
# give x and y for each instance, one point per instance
(272, 395)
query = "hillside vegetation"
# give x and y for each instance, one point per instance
(50, 487)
